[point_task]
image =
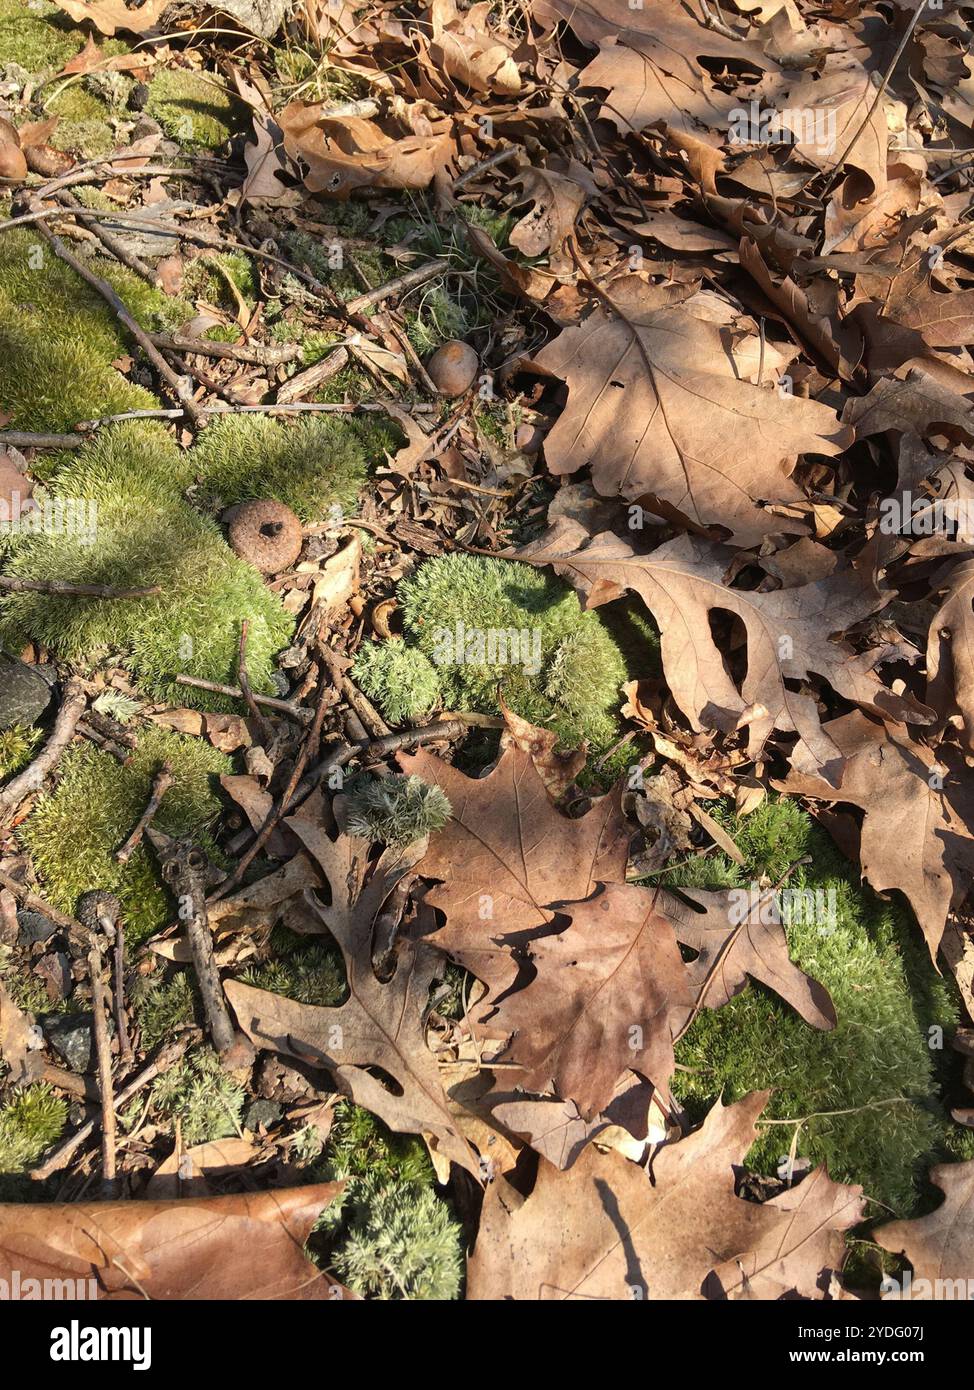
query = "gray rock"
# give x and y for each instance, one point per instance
(70, 1036)
(34, 927)
(262, 1112)
(24, 693)
(261, 17)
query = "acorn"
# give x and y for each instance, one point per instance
(453, 368)
(266, 534)
(13, 165)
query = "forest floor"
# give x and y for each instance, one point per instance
(486, 610)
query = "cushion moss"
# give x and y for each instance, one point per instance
(310, 465)
(58, 338)
(146, 534)
(37, 37)
(191, 108)
(576, 691)
(73, 832)
(871, 1084)
(30, 1122)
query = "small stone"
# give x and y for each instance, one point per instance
(453, 368)
(264, 1113)
(70, 1036)
(24, 693)
(138, 96)
(34, 927)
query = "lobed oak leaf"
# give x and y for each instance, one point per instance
(658, 408)
(506, 853)
(381, 1025)
(605, 1229)
(789, 634)
(940, 1247)
(916, 833)
(109, 15)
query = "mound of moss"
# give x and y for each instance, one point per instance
(146, 534)
(870, 1087)
(58, 338)
(389, 1235)
(310, 972)
(72, 833)
(483, 625)
(202, 1095)
(37, 36)
(191, 108)
(17, 746)
(30, 1122)
(311, 465)
(83, 127)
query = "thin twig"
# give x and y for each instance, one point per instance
(32, 902)
(13, 584)
(33, 776)
(233, 692)
(111, 242)
(243, 679)
(103, 1049)
(178, 384)
(418, 276)
(29, 439)
(257, 354)
(161, 783)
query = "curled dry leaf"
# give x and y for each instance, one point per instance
(466, 49)
(109, 15)
(349, 152)
(556, 767)
(248, 1246)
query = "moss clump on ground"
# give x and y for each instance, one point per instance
(394, 810)
(17, 746)
(162, 1008)
(146, 534)
(311, 466)
(58, 338)
(390, 1235)
(36, 36)
(204, 1097)
(83, 126)
(876, 1065)
(486, 624)
(400, 679)
(310, 973)
(191, 108)
(30, 1122)
(73, 833)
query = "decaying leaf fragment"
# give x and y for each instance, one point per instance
(940, 1247)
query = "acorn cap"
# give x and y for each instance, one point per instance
(266, 534)
(453, 368)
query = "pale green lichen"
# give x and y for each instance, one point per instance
(83, 127)
(72, 833)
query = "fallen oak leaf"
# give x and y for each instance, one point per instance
(916, 833)
(658, 408)
(466, 49)
(351, 152)
(604, 1230)
(607, 996)
(556, 768)
(940, 1247)
(381, 1025)
(248, 1246)
(506, 853)
(788, 633)
(950, 647)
